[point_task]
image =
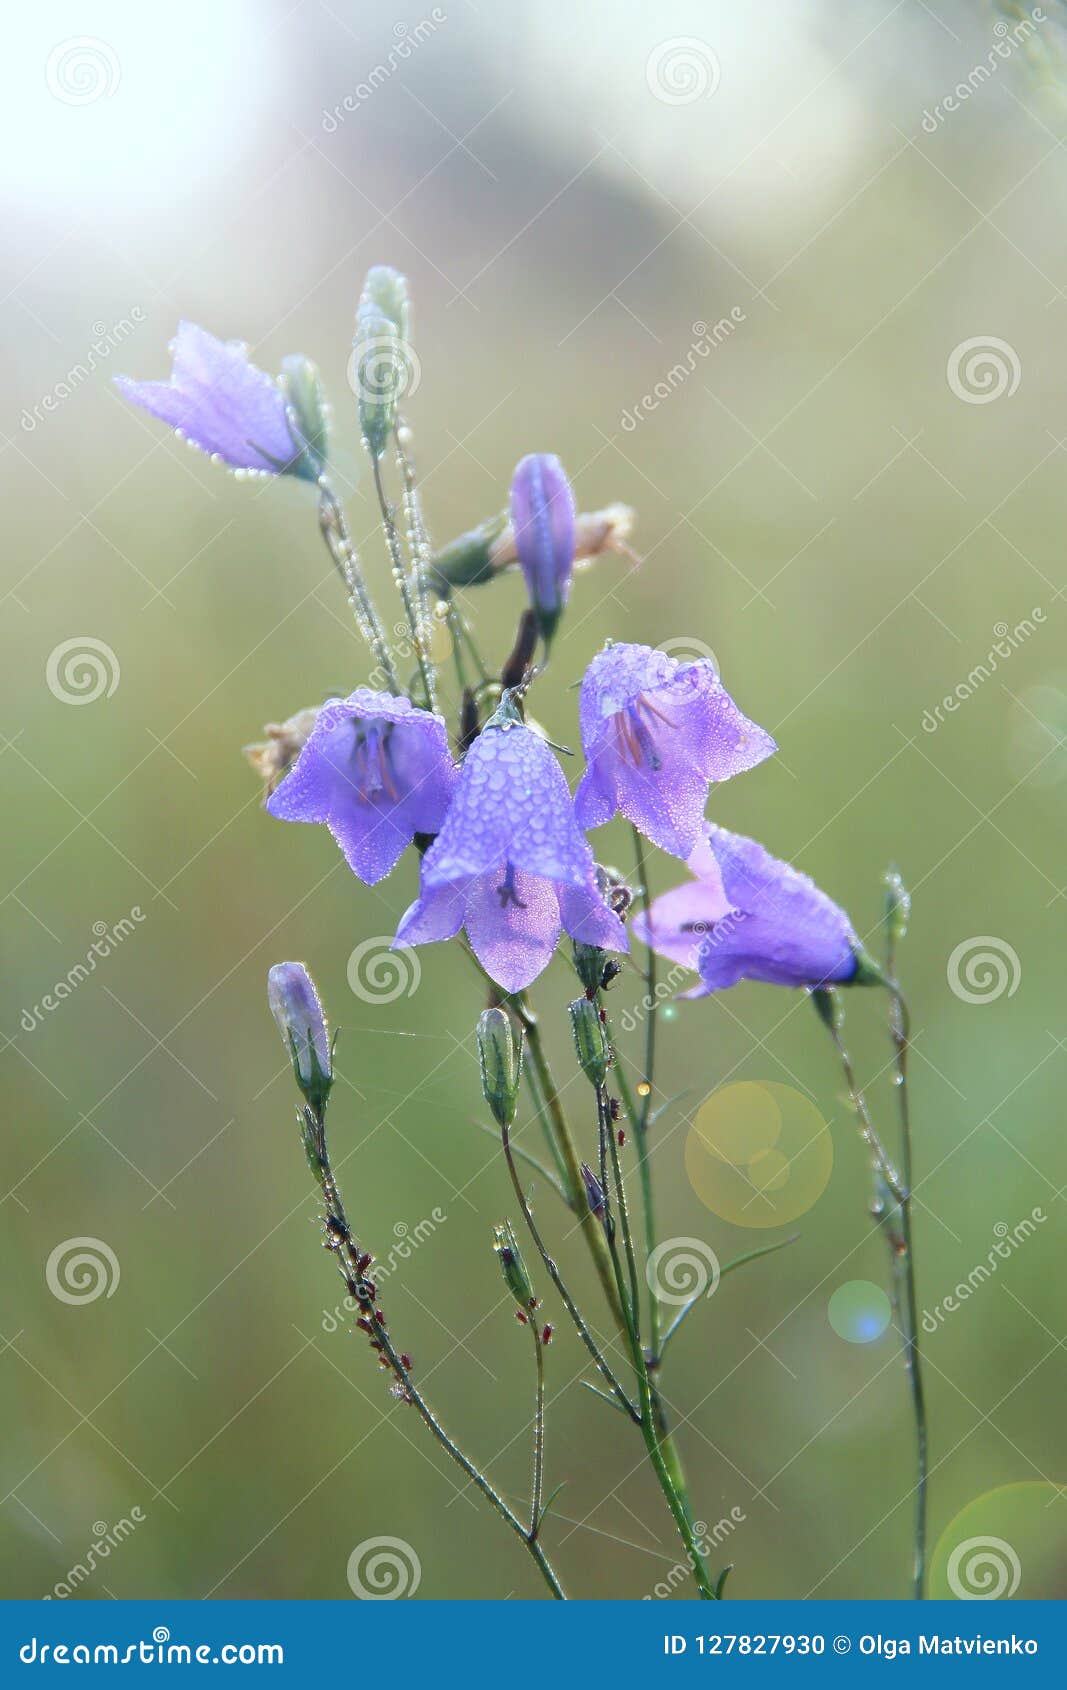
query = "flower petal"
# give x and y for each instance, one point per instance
(513, 939)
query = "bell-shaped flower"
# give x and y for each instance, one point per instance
(225, 406)
(510, 864)
(747, 916)
(543, 526)
(656, 734)
(376, 770)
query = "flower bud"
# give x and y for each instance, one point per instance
(387, 290)
(590, 1040)
(377, 370)
(543, 520)
(295, 1005)
(306, 399)
(512, 1265)
(589, 965)
(594, 1191)
(500, 1057)
(828, 1007)
(897, 906)
(381, 361)
(467, 561)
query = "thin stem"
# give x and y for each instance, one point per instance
(648, 1411)
(396, 558)
(354, 1271)
(561, 1133)
(335, 531)
(644, 1165)
(539, 1431)
(863, 1115)
(557, 1278)
(900, 1028)
(418, 538)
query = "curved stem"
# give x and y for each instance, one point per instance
(863, 1115)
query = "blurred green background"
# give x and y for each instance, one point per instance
(827, 500)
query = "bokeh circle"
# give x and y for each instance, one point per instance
(758, 1153)
(1010, 1542)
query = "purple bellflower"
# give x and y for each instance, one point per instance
(377, 770)
(656, 733)
(224, 405)
(747, 916)
(510, 864)
(543, 524)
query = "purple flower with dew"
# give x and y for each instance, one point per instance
(223, 405)
(510, 864)
(747, 916)
(376, 770)
(656, 734)
(543, 525)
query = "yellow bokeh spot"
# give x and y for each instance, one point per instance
(758, 1153)
(1008, 1543)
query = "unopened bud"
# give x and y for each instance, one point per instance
(387, 290)
(897, 906)
(590, 1040)
(512, 1265)
(828, 1007)
(589, 965)
(467, 561)
(594, 1192)
(295, 1005)
(500, 1058)
(310, 413)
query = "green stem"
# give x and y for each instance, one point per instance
(335, 531)
(900, 1027)
(644, 1166)
(339, 1238)
(649, 1430)
(539, 1431)
(572, 1168)
(557, 1279)
(396, 558)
